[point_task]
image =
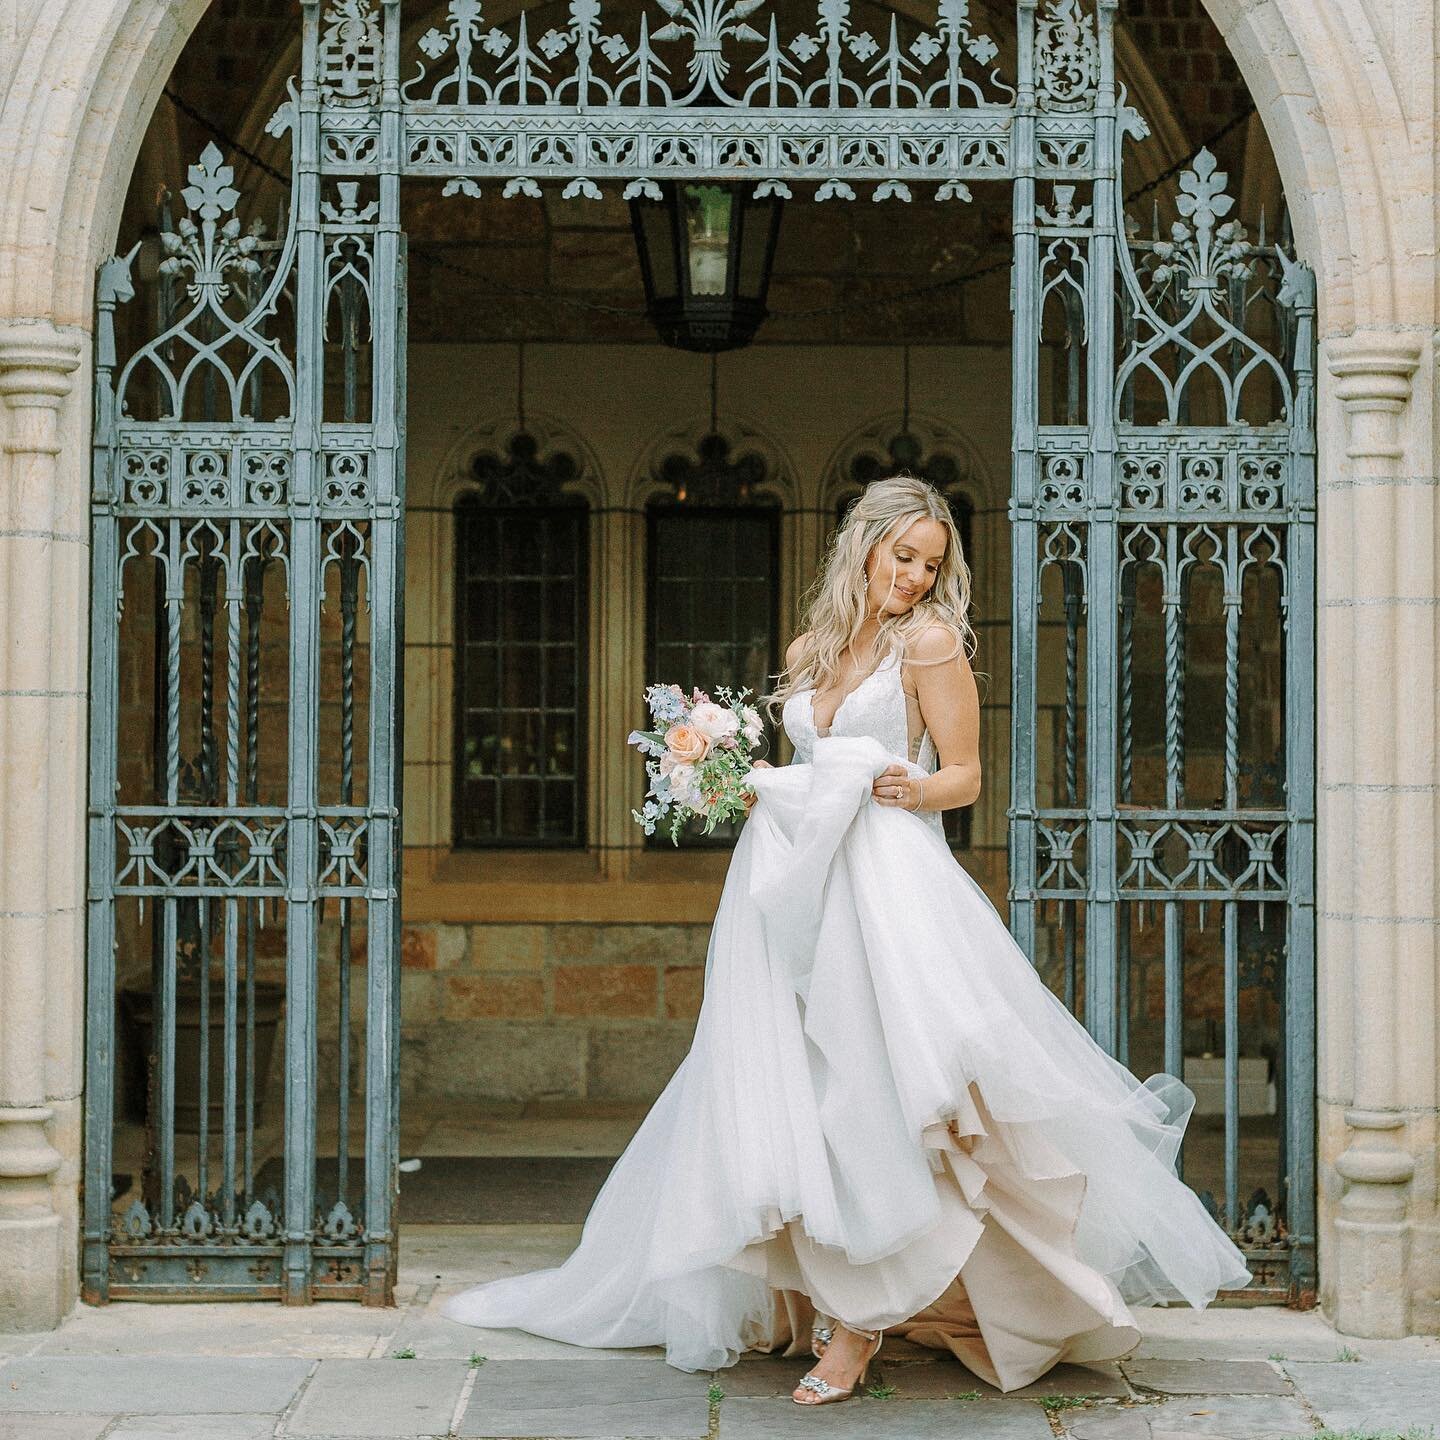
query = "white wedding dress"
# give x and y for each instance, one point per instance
(885, 1115)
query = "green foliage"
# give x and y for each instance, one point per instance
(407, 1353)
(1413, 1433)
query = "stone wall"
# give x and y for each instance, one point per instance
(540, 1012)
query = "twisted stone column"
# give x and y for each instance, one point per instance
(39, 876)
(1379, 610)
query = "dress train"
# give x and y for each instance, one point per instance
(885, 1116)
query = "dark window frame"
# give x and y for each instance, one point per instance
(578, 511)
(655, 512)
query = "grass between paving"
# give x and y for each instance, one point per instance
(1414, 1433)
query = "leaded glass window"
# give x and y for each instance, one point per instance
(521, 661)
(713, 607)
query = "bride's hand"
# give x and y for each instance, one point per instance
(750, 797)
(896, 786)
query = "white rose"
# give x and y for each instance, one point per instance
(714, 721)
(682, 782)
(753, 728)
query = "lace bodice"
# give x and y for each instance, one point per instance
(875, 707)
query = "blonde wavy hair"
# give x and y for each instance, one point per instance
(833, 609)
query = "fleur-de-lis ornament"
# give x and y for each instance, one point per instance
(210, 251)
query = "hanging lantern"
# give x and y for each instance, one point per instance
(705, 254)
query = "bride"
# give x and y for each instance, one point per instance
(886, 1121)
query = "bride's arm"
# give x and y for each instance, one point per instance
(950, 709)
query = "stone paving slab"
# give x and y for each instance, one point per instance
(1206, 1377)
(433, 1337)
(593, 1397)
(229, 1328)
(1372, 1396)
(634, 1419)
(866, 1419)
(1176, 1332)
(194, 1427)
(149, 1385)
(379, 1397)
(601, 1379)
(760, 1377)
(1210, 1417)
(940, 1378)
(1110, 1423)
(773, 1377)
(52, 1427)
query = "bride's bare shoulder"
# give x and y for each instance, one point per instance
(935, 644)
(794, 648)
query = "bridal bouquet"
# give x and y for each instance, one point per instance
(697, 756)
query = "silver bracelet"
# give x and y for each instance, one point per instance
(916, 806)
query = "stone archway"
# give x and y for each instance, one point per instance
(1350, 115)
(1354, 143)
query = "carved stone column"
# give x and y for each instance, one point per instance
(36, 364)
(1376, 869)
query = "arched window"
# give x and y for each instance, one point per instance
(521, 655)
(906, 453)
(713, 586)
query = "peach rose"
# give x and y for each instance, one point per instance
(687, 744)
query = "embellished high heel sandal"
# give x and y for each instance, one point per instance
(823, 1390)
(821, 1334)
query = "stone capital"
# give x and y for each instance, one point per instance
(1373, 1157)
(1373, 372)
(37, 360)
(1373, 367)
(25, 1152)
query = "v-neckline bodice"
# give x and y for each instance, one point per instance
(845, 699)
(878, 711)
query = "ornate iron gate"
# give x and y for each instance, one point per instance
(249, 458)
(247, 537)
(1164, 496)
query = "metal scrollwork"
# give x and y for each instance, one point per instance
(1192, 291)
(210, 252)
(219, 341)
(1067, 56)
(249, 497)
(839, 64)
(350, 47)
(711, 88)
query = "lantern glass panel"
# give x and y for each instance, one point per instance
(660, 249)
(757, 221)
(708, 211)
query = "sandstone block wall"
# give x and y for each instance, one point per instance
(601, 1012)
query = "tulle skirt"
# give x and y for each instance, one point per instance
(885, 1117)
